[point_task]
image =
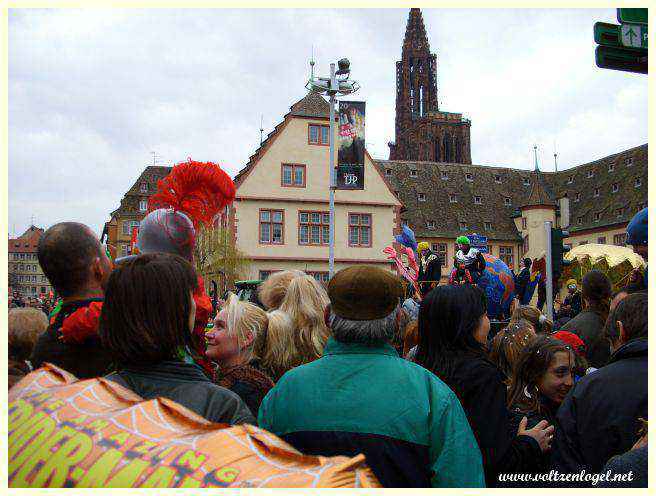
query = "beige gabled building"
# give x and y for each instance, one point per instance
(280, 215)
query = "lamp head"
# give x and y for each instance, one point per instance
(344, 66)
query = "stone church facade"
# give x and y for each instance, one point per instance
(422, 131)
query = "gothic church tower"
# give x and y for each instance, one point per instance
(422, 131)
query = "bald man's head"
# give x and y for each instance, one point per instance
(67, 253)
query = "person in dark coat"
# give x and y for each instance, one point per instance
(146, 325)
(77, 266)
(453, 329)
(572, 303)
(430, 268)
(522, 280)
(231, 342)
(589, 324)
(361, 397)
(632, 464)
(543, 376)
(599, 418)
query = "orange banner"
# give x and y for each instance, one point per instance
(94, 433)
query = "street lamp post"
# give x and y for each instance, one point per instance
(337, 84)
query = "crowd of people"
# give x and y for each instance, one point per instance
(420, 386)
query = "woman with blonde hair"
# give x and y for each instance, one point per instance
(231, 343)
(537, 319)
(305, 303)
(273, 290)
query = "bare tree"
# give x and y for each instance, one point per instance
(217, 257)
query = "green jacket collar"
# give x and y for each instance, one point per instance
(334, 347)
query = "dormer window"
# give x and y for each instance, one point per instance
(596, 192)
(638, 182)
(527, 181)
(144, 188)
(507, 201)
(619, 212)
(497, 178)
(388, 172)
(597, 216)
(463, 226)
(590, 173)
(628, 161)
(469, 177)
(579, 220)
(453, 199)
(413, 172)
(478, 200)
(616, 187)
(143, 205)
(578, 197)
(445, 176)
(421, 197)
(430, 224)
(396, 192)
(611, 167)
(488, 226)
(570, 179)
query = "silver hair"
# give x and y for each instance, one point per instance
(364, 331)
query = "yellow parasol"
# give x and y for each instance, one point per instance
(617, 262)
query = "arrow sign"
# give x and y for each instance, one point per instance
(633, 36)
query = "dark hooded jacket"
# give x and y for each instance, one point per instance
(599, 417)
(84, 358)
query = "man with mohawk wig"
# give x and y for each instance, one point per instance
(191, 196)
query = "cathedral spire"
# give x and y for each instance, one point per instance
(415, 33)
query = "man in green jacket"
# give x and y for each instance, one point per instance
(361, 397)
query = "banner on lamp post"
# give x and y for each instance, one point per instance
(350, 154)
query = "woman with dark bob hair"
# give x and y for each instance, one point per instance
(453, 330)
(146, 324)
(542, 377)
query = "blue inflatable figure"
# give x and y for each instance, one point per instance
(498, 284)
(407, 238)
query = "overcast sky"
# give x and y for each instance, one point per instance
(93, 92)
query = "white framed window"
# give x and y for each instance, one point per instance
(421, 197)
(478, 200)
(570, 179)
(506, 254)
(638, 182)
(590, 173)
(507, 201)
(469, 177)
(143, 205)
(497, 179)
(611, 167)
(596, 192)
(628, 161)
(413, 172)
(143, 187)
(128, 225)
(453, 199)
(430, 224)
(388, 172)
(463, 226)
(578, 197)
(616, 187)
(488, 226)
(125, 250)
(527, 181)
(445, 176)
(597, 216)
(579, 220)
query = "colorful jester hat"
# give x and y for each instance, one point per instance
(189, 197)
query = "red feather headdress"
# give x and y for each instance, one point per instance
(200, 190)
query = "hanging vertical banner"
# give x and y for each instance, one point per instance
(350, 154)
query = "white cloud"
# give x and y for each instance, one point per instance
(93, 92)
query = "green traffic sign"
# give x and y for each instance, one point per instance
(621, 59)
(632, 16)
(633, 35)
(607, 34)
